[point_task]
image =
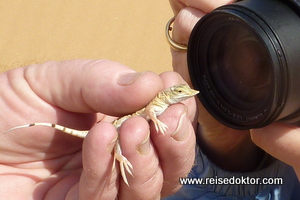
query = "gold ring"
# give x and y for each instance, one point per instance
(176, 46)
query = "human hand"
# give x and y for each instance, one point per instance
(228, 148)
(41, 163)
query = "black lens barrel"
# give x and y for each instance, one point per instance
(244, 58)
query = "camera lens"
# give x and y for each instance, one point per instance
(243, 83)
(244, 59)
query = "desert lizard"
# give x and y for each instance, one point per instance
(157, 106)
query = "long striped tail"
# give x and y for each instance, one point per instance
(77, 133)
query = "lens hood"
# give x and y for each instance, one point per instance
(244, 58)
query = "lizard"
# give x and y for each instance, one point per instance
(156, 107)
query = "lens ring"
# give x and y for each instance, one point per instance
(230, 107)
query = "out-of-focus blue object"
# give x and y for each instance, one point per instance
(288, 190)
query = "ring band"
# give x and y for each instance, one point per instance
(176, 46)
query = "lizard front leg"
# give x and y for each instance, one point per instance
(151, 113)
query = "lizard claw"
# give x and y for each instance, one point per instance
(159, 126)
(124, 164)
(123, 161)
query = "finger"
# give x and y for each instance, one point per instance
(182, 27)
(176, 149)
(204, 5)
(87, 85)
(173, 78)
(136, 146)
(180, 135)
(98, 181)
(184, 23)
(281, 141)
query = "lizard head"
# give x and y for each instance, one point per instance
(181, 92)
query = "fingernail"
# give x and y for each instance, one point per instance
(144, 147)
(181, 134)
(129, 78)
(111, 145)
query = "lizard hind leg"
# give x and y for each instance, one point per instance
(123, 161)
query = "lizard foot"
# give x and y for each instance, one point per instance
(123, 161)
(159, 126)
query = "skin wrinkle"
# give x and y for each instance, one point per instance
(20, 103)
(32, 83)
(37, 80)
(51, 164)
(34, 80)
(46, 181)
(62, 181)
(60, 176)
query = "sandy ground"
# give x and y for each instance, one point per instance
(130, 32)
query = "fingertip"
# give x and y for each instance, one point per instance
(123, 93)
(184, 23)
(134, 135)
(96, 150)
(255, 136)
(139, 92)
(171, 78)
(97, 179)
(264, 135)
(100, 137)
(137, 148)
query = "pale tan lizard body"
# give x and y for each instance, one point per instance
(157, 106)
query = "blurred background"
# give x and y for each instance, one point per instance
(129, 32)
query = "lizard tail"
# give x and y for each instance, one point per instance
(77, 133)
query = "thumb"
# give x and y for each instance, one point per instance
(87, 86)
